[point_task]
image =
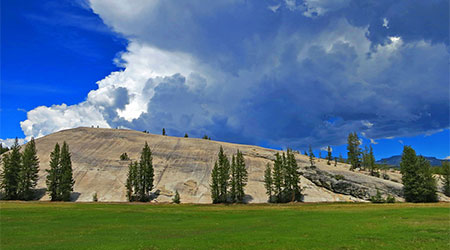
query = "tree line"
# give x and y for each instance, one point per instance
(228, 180)
(140, 177)
(228, 177)
(282, 182)
(20, 173)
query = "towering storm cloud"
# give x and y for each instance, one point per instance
(288, 73)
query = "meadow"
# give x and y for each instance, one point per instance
(48, 225)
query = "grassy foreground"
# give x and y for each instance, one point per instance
(44, 225)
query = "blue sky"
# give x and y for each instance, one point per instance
(272, 73)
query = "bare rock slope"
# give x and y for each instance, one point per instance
(185, 164)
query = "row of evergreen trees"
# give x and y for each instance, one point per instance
(228, 180)
(140, 177)
(358, 158)
(60, 175)
(20, 172)
(282, 182)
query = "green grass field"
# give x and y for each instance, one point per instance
(45, 225)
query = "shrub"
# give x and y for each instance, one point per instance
(339, 177)
(124, 157)
(377, 198)
(390, 199)
(386, 176)
(176, 198)
(94, 197)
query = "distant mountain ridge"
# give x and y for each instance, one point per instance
(396, 159)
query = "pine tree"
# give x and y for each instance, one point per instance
(277, 177)
(311, 156)
(146, 173)
(176, 198)
(233, 180)
(268, 182)
(66, 178)
(215, 188)
(446, 177)
(329, 156)
(163, 131)
(10, 174)
(335, 161)
(293, 189)
(372, 165)
(408, 169)
(140, 176)
(305, 153)
(224, 175)
(132, 182)
(354, 151)
(427, 187)
(241, 177)
(53, 174)
(418, 182)
(186, 135)
(28, 174)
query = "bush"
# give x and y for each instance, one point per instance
(376, 174)
(339, 177)
(377, 198)
(176, 198)
(390, 199)
(124, 157)
(94, 197)
(386, 176)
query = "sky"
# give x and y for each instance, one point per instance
(273, 73)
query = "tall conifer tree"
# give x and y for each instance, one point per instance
(28, 174)
(354, 152)
(418, 182)
(10, 174)
(372, 165)
(146, 173)
(224, 175)
(215, 192)
(277, 177)
(233, 180)
(241, 177)
(268, 181)
(293, 191)
(66, 177)
(53, 174)
(329, 155)
(311, 156)
(131, 183)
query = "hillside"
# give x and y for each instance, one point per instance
(185, 164)
(396, 159)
